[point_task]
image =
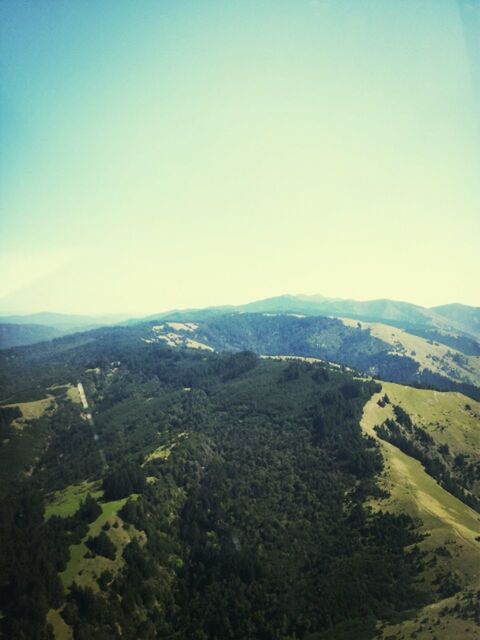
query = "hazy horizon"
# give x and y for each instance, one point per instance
(128, 314)
(161, 155)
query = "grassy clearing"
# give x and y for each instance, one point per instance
(61, 630)
(161, 453)
(73, 394)
(68, 391)
(445, 520)
(85, 571)
(164, 451)
(31, 410)
(66, 502)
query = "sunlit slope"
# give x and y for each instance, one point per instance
(450, 526)
(429, 354)
(449, 417)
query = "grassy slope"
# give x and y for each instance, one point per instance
(61, 630)
(64, 503)
(31, 410)
(450, 418)
(85, 571)
(446, 521)
(430, 355)
(164, 451)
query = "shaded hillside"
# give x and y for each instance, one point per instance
(402, 358)
(63, 321)
(460, 320)
(462, 315)
(15, 335)
(349, 343)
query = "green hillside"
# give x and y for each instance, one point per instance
(207, 495)
(452, 529)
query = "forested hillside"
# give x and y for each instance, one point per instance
(195, 496)
(376, 349)
(15, 335)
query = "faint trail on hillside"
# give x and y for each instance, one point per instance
(96, 437)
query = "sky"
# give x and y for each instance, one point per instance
(185, 153)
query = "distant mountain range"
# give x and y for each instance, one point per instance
(388, 340)
(17, 330)
(16, 335)
(457, 317)
(392, 340)
(452, 317)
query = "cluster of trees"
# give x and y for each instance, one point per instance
(419, 444)
(123, 481)
(7, 416)
(32, 554)
(101, 545)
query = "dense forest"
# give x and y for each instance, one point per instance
(245, 480)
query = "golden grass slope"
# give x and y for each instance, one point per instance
(429, 354)
(445, 520)
(37, 408)
(450, 418)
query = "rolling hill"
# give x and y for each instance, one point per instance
(201, 491)
(457, 319)
(376, 349)
(15, 335)
(18, 330)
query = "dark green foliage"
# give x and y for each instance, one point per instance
(232, 366)
(254, 525)
(104, 580)
(89, 509)
(383, 401)
(29, 560)
(402, 417)
(444, 449)
(122, 482)
(7, 414)
(101, 545)
(447, 585)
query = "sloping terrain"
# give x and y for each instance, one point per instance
(219, 538)
(452, 542)
(223, 495)
(379, 350)
(18, 330)
(455, 318)
(430, 355)
(16, 335)
(468, 318)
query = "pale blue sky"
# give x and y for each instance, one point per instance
(186, 153)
